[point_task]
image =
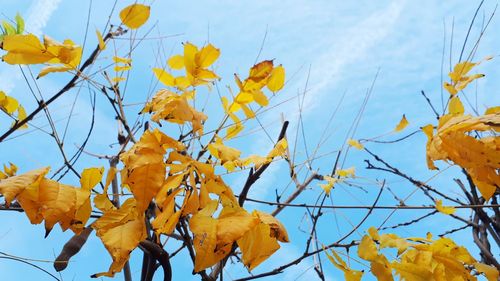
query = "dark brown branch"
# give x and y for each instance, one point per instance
(423, 186)
(157, 252)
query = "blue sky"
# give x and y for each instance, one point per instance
(343, 44)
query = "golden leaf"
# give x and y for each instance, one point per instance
(207, 56)
(456, 106)
(102, 44)
(144, 169)
(277, 229)
(261, 71)
(444, 210)
(176, 62)
(492, 110)
(367, 249)
(204, 229)
(166, 78)
(276, 79)
(121, 231)
(381, 268)
(356, 144)
(25, 49)
(402, 124)
(349, 274)
(91, 177)
(489, 271)
(101, 201)
(478, 156)
(135, 15)
(257, 245)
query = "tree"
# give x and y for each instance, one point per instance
(170, 188)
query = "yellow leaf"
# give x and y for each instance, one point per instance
(492, 110)
(167, 219)
(121, 236)
(402, 124)
(279, 149)
(444, 210)
(478, 156)
(450, 88)
(176, 62)
(460, 70)
(166, 78)
(51, 69)
(276, 79)
(8, 104)
(233, 226)
(91, 177)
(190, 51)
(329, 185)
(233, 131)
(101, 201)
(244, 97)
(11, 170)
(456, 106)
(207, 56)
(121, 60)
(204, 229)
(367, 249)
(119, 68)
(135, 15)
(60, 203)
(412, 272)
(354, 143)
(261, 71)
(260, 98)
(277, 229)
(12, 187)
(459, 78)
(21, 115)
(191, 203)
(25, 49)
(257, 245)
(117, 79)
(182, 82)
(144, 166)
(381, 268)
(390, 240)
(344, 173)
(349, 274)
(223, 153)
(175, 108)
(373, 232)
(102, 44)
(248, 112)
(489, 271)
(257, 160)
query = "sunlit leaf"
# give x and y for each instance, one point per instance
(135, 15)
(402, 124)
(102, 44)
(176, 62)
(276, 79)
(443, 209)
(354, 143)
(489, 271)
(455, 106)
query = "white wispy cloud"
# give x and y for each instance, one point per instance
(351, 47)
(39, 15)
